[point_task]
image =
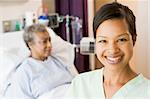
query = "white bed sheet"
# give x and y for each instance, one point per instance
(57, 93)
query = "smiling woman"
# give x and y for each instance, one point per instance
(115, 32)
(114, 44)
(141, 48)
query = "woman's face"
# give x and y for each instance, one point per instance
(41, 46)
(114, 46)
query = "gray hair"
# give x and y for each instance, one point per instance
(29, 32)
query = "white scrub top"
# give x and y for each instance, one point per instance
(90, 86)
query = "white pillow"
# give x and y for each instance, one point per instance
(8, 63)
(63, 50)
(13, 42)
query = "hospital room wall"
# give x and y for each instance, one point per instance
(141, 58)
(148, 39)
(16, 10)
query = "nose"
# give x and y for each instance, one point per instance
(49, 45)
(113, 48)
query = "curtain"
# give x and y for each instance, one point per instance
(74, 8)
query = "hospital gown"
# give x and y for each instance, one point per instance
(90, 86)
(34, 78)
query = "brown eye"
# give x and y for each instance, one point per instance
(122, 40)
(45, 41)
(103, 41)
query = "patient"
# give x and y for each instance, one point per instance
(115, 31)
(40, 72)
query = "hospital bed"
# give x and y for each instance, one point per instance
(13, 51)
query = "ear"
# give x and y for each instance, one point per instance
(30, 44)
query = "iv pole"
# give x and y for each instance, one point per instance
(67, 28)
(67, 19)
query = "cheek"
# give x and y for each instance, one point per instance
(99, 51)
(128, 50)
(40, 48)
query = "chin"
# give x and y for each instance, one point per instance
(46, 57)
(47, 54)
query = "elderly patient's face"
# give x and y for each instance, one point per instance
(114, 46)
(41, 46)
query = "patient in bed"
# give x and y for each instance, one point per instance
(40, 72)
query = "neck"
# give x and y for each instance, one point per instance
(37, 57)
(118, 76)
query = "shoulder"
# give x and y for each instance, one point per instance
(23, 66)
(52, 59)
(140, 82)
(140, 85)
(144, 79)
(19, 78)
(23, 70)
(56, 60)
(84, 84)
(19, 73)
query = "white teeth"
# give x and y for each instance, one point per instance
(114, 60)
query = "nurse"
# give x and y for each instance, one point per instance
(115, 31)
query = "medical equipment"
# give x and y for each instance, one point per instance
(53, 20)
(86, 45)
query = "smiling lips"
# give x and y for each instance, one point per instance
(113, 60)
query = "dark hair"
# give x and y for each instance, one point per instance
(29, 32)
(115, 11)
